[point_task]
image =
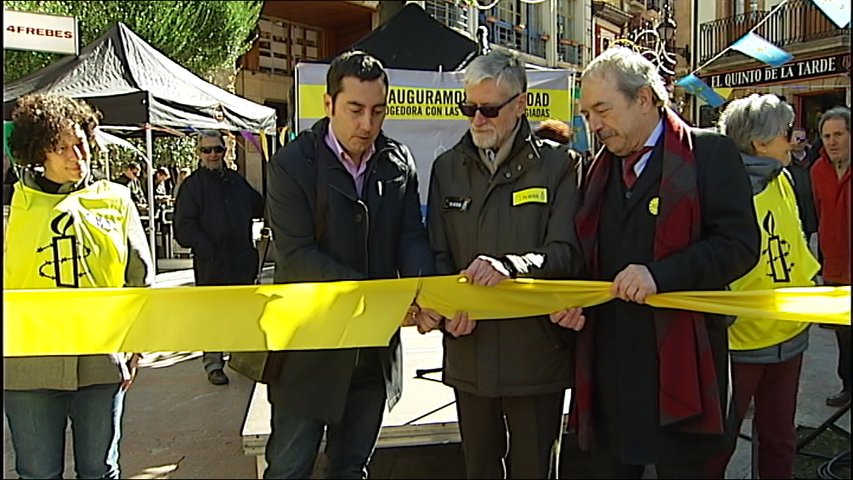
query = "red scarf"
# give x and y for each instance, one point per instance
(689, 399)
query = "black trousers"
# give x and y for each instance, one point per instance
(843, 337)
(509, 435)
(577, 464)
(292, 449)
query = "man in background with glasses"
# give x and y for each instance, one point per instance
(799, 170)
(501, 204)
(213, 216)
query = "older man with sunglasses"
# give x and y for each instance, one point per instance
(213, 216)
(500, 207)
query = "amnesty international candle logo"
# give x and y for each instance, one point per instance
(67, 254)
(776, 252)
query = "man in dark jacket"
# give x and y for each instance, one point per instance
(666, 207)
(213, 216)
(500, 206)
(343, 205)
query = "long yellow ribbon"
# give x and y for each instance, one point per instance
(524, 297)
(332, 314)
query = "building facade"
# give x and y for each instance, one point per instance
(817, 78)
(287, 33)
(551, 33)
(641, 22)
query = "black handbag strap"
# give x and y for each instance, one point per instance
(322, 197)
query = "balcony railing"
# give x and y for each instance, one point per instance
(515, 37)
(534, 44)
(450, 13)
(569, 53)
(797, 21)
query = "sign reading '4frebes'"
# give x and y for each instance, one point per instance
(797, 70)
(39, 32)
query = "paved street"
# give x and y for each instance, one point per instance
(177, 425)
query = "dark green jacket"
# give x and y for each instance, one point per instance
(471, 213)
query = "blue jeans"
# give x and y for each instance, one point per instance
(294, 441)
(37, 420)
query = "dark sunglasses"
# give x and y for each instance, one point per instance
(488, 111)
(212, 149)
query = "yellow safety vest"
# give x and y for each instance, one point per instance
(785, 261)
(74, 240)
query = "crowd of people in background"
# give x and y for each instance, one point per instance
(663, 207)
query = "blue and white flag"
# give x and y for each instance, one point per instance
(837, 10)
(581, 141)
(760, 49)
(695, 86)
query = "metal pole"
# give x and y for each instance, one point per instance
(694, 59)
(549, 17)
(105, 154)
(149, 151)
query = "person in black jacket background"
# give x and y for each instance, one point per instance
(213, 216)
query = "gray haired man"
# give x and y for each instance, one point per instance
(666, 207)
(213, 216)
(500, 206)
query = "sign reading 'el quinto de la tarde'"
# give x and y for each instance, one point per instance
(796, 70)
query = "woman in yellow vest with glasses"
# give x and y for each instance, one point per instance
(767, 355)
(67, 230)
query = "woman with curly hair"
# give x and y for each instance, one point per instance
(67, 230)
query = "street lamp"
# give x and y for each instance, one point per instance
(656, 42)
(651, 44)
(666, 29)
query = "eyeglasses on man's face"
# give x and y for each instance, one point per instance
(216, 149)
(488, 111)
(798, 136)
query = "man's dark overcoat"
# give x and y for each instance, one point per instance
(377, 235)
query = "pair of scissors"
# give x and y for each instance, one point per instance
(414, 308)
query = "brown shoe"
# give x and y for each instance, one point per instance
(217, 377)
(839, 399)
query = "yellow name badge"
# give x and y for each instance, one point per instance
(530, 195)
